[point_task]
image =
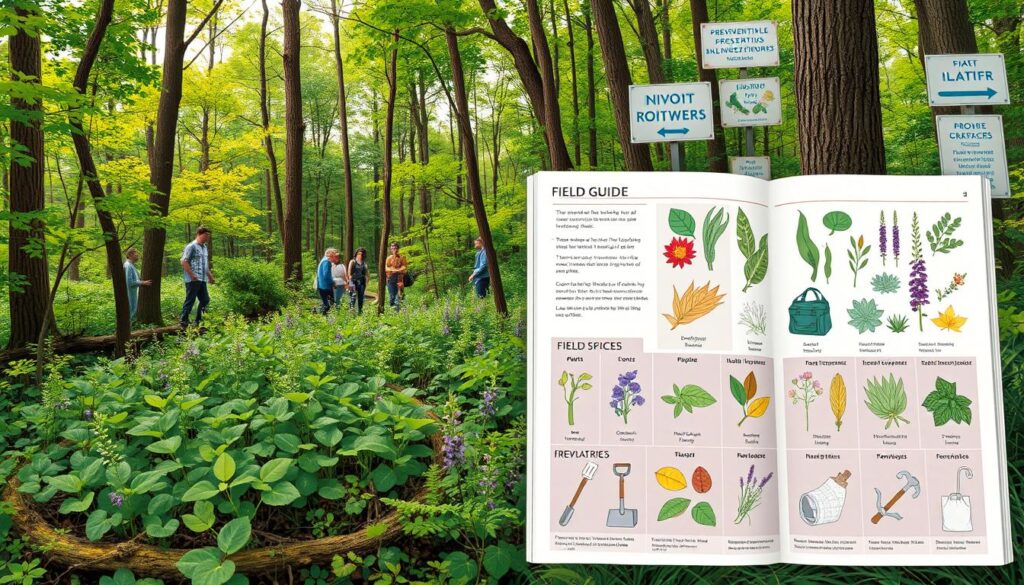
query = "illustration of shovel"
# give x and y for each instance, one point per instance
(588, 474)
(621, 517)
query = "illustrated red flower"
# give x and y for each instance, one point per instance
(680, 252)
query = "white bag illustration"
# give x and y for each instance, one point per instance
(824, 504)
(956, 507)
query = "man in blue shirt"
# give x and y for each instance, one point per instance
(131, 276)
(325, 280)
(195, 261)
(480, 278)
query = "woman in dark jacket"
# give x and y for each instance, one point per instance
(357, 272)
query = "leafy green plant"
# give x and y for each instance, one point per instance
(885, 283)
(569, 394)
(887, 399)
(940, 238)
(755, 268)
(714, 226)
(865, 315)
(687, 398)
(806, 246)
(837, 221)
(126, 577)
(858, 255)
(251, 288)
(946, 405)
(827, 268)
(897, 323)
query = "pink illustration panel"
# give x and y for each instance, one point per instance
(687, 378)
(811, 420)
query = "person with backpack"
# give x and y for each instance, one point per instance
(195, 262)
(396, 268)
(357, 272)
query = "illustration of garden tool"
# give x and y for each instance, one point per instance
(621, 517)
(588, 474)
(883, 511)
(824, 504)
(956, 507)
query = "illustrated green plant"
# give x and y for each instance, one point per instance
(885, 283)
(755, 268)
(918, 273)
(940, 238)
(806, 246)
(865, 315)
(687, 398)
(715, 223)
(745, 393)
(827, 268)
(681, 222)
(887, 399)
(750, 494)
(897, 323)
(955, 283)
(806, 390)
(946, 405)
(858, 255)
(837, 221)
(575, 384)
(754, 317)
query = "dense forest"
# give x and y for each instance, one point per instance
(290, 127)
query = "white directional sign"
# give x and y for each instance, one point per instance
(966, 80)
(669, 112)
(759, 167)
(974, 145)
(739, 44)
(749, 102)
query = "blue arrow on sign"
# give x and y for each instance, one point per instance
(968, 93)
(666, 131)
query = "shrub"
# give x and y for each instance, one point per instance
(252, 287)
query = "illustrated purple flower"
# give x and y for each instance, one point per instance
(918, 274)
(882, 237)
(750, 474)
(895, 239)
(116, 499)
(765, 480)
(625, 395)
(750, 495)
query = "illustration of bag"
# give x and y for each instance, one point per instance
(956, 507)
(810, 316)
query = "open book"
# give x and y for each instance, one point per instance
(724, 370)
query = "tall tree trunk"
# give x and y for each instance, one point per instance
(591, 92)
(161, 171)
(26, 248)
(295, 128)
(552, 110)
(637, 156)
(649, 42)
(666, 30)
(274, 178)
(574, 78)
(112, 245)
(424, 122)
(346, 158)
(717, 160)
(839, 115)
(473, 171)
(389, 127)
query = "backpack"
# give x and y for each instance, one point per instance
(407, 280)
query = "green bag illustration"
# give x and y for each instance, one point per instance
(810, 316)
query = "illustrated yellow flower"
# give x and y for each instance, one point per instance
(948, 319)
(768, 96)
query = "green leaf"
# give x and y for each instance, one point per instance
(837, 221)
(287, 442)
(703, 514)
(681, 222)
(497, 561)
(714, 226)
(156, 528)
(202, 490)
(672, 508)
(234, 536)
(280, 494)
(806, 246)
(946, 405)
(756, 266)
(97, 525)
(72, 505)
(166, 446)
(66, 483)
(744, 234)
(737, 390)
(828, 263)
(461, 567)
(275, 469)
(224, 467)
(378, 444)
(198, 562)
(384, 477)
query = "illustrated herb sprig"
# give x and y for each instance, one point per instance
(714, 226)
(755, 268)
(687, 398)
(858, 255)
(755, 318)
(806, 390)
(806, 246)
(897, 323)
(750, 494)
(956, 283)
(895, 239)
(887, 399)
(946, 405)
(569, 393)
(865, 315)
(744, 392)
(882, 236)
(940, 238)
(918, 273)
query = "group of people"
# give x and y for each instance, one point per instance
(333, 278)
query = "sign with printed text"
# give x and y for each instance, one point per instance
(725, 45)
(759, 167)
(749, 102)
(974, 145)
(966, 80)
(670, 112)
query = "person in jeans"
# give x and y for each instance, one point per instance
(395, 268)
(131, 276)
(195, 261)
(357, 277)
(325, 279)
(480, 277)
(341, 281)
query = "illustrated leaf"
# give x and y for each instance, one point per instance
(681, 222)
(564, 378)
(687, 398)
(806, 246)
(948, 320)
(693, 304)
(737, 390)
(701, 480)
(671, 479)
(865, 315)
(750, 385)
(673, 508)
(946, 405)
(758, 407)
(744, 234)
(837, 221)
(714, 226)
(756, 266)
(703, 514)
(837, 399)
(828, 263)
(887, 399)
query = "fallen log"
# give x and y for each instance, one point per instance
(81, 344)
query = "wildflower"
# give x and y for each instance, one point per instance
(626, 394)
(337, 337)
(277, 330)
(765, 480)
(192, 351)
(807, 375)
(116, 499)
(895, 239)
(453, 450)
(792, 393)
(87, 414)
(882, 237)
(487, 407)
(479, 347)
(445, 329)
(680, 252)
